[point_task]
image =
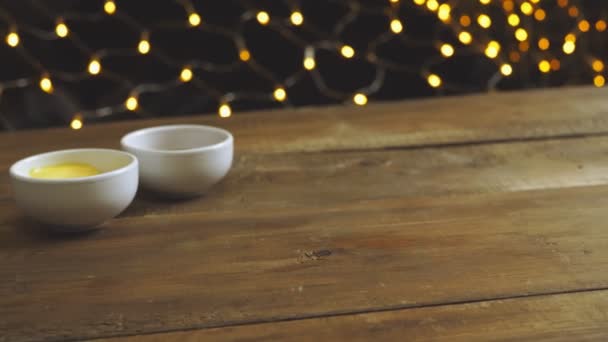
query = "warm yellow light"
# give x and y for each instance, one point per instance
(555, 64)
(514, 56)
(194, 19)
(447, 50)
(544, 66)
(543, 44)
(444, 12)
(347, 51)
(526, 8)
(513, 19)
(508, 5)
(46, 85)
(584, 25)
(562, 3)
(280, 94)
(570, 37)
(573, 11)
(484, 21)
(186, 74)
(296, 18)
(521, 34)
(394, 1)
(396, 26)
(360, 99)
(465, 37)
(600, 25)
(524, 46)
(131, 103)
(263, 17)
(599, 81)
(492, 49)
(109, 7)
(432, 5)
(597, 65)
(224, 111)
(309, 63)
(485, 2)
(506, 69)
(434, 80)
(76, 123)
(94, 67)
(419, 2)
(12, 39)
(244, 55)
(465, 20)
(569, 47)
(61, 29)
(144, 46)
(540, 14)
(534, 1)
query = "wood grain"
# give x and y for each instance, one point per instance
(316, 180)
(198, 270)
(556, 318)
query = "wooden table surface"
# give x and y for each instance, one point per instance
(458, 219)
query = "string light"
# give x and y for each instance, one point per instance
(600, 25)
(584, 25)
(186, 74)
(526, 8)
(396, 26)
(296, 18)
(597, 65)
(513, 19)
(543, 44)
(360, 99)
(46, 85)
(263, 17)
(94, 66)
(419, 2)
(12, 39)
(570, 37)
(484, 21)
(132, 103)
(465, 37)
(309, 59)
(444, 12)
(194, 19)
(573, 11)
(485, 2)
(244, 55)
(544, 66)
(434, 80)
(523, 46)
(447, 50)
(492, 49)
(76, 122)
(347, 51)
(540, 14)
(109, 7)
(61, 29)
(465, 21)
(569, 47)
(599, 81)
(506, 69)
(555, 64)
(432, 5)
(508, 5)
(224, 111)
(562, 3)
(144, 44)
(280, 94)
(514, 56)
(521, 34)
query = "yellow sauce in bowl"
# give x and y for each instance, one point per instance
(63, 171)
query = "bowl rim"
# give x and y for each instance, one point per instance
(228, 139)
(88, 179)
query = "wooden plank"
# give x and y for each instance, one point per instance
(463, 119)
(172, 272)
(565, 318)
(269, 182)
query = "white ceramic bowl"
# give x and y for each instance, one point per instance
(181, 160)
(75, 204)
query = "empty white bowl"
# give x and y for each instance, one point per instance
(75, 204)
(181, 160)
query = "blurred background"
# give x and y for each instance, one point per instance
(72, 63)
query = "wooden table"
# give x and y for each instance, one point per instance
(457, 219)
